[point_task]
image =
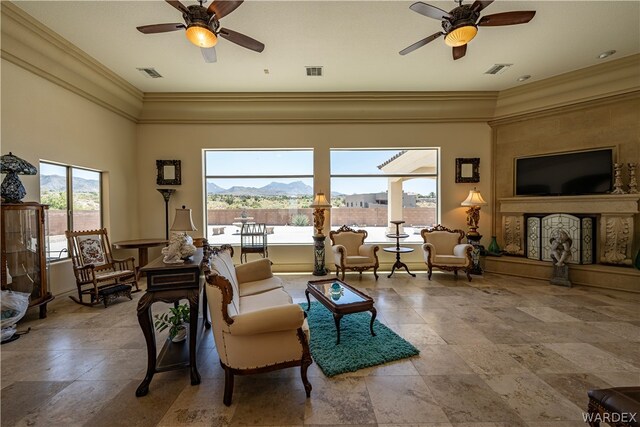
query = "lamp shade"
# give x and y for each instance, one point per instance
(10, 163)
(183, 221)
(474, 199)
(320, 201)
(201, 36)
(461, 36)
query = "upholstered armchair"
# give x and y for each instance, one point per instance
(443, 249)
(256, 326)
(351, 253)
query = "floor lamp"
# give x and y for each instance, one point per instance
(166, 195)
(319, 204)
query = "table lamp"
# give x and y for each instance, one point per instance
(181, 244)
(474, 201)
(12, 189)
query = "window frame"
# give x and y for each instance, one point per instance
(207, 176)
(435, 175)
(69, 189)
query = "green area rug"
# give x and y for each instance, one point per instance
(357, 348)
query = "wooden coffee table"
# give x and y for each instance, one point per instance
(345, 300)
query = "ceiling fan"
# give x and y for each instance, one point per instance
(203, 26)
(461, 24)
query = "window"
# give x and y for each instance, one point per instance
(274, 187)
(369, 188)
(63, 186)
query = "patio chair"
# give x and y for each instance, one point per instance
(253, 240)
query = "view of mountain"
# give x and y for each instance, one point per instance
(59, 183)
(296, 188)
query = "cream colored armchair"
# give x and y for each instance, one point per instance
(256, 326)
(443, 249)
(351, 253)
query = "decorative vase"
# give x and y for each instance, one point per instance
(637, 263)
(493, 248)
(181, 335)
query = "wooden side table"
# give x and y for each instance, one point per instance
(171, 283)
(142, 245)
(398, 249)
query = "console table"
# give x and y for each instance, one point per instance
(398, 249)
(171, 283)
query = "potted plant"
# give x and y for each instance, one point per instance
(176, 320)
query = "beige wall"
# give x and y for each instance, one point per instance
(43, 121)
(185, 142)
(611, 122)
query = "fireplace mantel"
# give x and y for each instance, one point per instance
(599, 204)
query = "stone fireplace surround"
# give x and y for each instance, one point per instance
(617, 219)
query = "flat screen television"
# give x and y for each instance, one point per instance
(583, 172)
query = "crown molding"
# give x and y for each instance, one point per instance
(315, 107)
(607, 80)
(34, 47)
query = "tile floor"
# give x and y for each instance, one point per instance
(499, 351)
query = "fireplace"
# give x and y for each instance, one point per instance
(541, 229)
(601, 227)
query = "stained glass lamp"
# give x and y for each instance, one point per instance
(12, 190)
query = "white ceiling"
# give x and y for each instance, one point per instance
(357, 43)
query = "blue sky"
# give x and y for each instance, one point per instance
(269, 162)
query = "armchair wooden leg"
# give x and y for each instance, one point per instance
(430, 271)
(468, 271)
(375, 272)
(343, 270)
(228, 385)
(303, 373)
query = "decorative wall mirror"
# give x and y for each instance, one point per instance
(168, 172)
(467, 170)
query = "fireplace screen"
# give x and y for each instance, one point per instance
(542, 230)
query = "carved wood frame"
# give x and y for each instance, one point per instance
(475, 173)
(161, 180)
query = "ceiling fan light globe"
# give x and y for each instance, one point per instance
(201, 36)
(461, 36)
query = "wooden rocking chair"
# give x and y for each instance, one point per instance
(98, 275)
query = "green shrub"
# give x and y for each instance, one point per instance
(299, 220)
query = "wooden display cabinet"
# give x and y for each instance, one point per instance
(24, 245)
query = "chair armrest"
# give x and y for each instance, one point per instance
(125, 262)
(428, 251)
(254, 270)
(273, 319)
(368, 250)
(462, 250)
(339, 251)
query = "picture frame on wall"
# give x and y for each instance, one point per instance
(467, 170)
(168, 172)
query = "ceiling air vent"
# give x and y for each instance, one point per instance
(150, 73)
(498, 69)
(314, 71)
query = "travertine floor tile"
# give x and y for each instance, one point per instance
(403, 400)
(340, 401)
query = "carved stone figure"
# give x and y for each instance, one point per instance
(180, 247)
(633, 182)
(617, 180)
(561, 248)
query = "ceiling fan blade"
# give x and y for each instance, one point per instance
(478, 5)
(507, 18)
(241, 39)
(420, 43)
(175, 3)
(223, 7)
(209, 54)
(459, 51)
(430, 11)
(160, 28)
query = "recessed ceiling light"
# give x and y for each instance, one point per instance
(606, 54)
(523, 78)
